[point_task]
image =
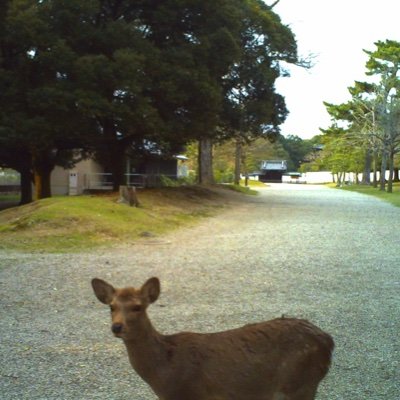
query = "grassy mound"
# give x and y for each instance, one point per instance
(77, 223)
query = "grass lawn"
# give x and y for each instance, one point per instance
(78, 223)
(242, 189)
(393, 198)
(6, 197)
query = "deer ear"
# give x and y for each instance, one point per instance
(151, 290)
(103, 290)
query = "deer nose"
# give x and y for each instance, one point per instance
(116, 328)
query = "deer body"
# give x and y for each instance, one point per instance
(281, 359)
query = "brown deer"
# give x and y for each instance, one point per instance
(281, 359)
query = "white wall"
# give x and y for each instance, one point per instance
(60, 177)
(318, 177)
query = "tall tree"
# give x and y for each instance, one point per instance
(372, 115)
(111, 76)
(152, 77)
(252, 106)
(13, 151)
(118, 77)
(357, 118)
(208, 35)
(38, 118)
(297, 150)
(384, 63)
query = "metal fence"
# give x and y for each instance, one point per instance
(104, 181)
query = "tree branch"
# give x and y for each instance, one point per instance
(273, 5)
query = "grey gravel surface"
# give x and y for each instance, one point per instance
(326, 255)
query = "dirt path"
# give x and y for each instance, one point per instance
(322, 254)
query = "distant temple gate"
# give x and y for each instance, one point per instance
(272, 170)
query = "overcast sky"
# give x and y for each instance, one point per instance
(336, 32)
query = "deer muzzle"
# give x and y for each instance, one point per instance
(116, 328)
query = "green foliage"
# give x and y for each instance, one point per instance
(115, 78)
(291, 148)
(297, 150)
(168, 182)
(252, 107)
(367, 127)
(225, 175)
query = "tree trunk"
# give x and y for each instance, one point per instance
(383, 171)
(206, 176)
(396, 175)
(238, 159)
(128, 195)
(42, 184)
(117, 170)
(339, 179)
(42, 166)
(113, 160)
(26, 185)
(41, 181)
(112, 154)
(366, 177)
(390, 180)
(375, 166)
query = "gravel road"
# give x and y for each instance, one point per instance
(326, 255)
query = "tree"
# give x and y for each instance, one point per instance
(337, 155)
(371, 117)
(13, 152)
(112, 77)
(38, 118)
(293, 149)
(297, 150)
(177, 52)
(197, 43)
(252, 107)
(384, 63)
(119, 78)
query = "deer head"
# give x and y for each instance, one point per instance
(127, 305)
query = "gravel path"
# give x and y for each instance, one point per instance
(326, 255)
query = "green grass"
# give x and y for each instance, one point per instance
(392, 198)
(241, 189)
(253, 183)
(6, 197)
(79, 223)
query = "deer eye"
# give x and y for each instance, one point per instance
(112, 308)
(137, 308)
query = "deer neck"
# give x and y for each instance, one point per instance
(146, 349)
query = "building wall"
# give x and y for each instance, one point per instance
(88, 174)
(271, 176)
(159, 166)
(85, 170)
